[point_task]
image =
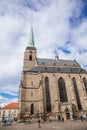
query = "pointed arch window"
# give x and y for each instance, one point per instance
(85, 83)
(30, 57)
(47, 93)
(62, 90)
(32, 109)
(76, 93)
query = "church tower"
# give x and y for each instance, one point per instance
(30, 53)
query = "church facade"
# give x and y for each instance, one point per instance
(51, 88)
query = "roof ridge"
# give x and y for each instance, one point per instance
(46, 59)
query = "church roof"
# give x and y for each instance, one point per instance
(57, 66)
(58, 62)
(56, 70)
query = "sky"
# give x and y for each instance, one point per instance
(59, 26)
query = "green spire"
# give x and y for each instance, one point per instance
(31, 38)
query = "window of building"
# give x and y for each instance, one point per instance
(32, 109)
(62, 90)
(70, 69)
(30, 57)
(76, 94)
(14, 111)
(58, 69)
(45, 68)
(3, 113)
(9, 111)
(47, 92)
(85, 83)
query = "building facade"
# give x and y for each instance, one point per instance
(11, 110)
(51, 87)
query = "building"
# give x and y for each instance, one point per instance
(51, 88)
(10, 110)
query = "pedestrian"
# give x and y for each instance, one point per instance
(59, 118)
(4, 121)
(81, 118)
(62, 119)
(39, 125)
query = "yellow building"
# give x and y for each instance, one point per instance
(51, 87)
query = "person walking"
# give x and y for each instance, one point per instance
(39, 125)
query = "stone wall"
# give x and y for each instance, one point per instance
(33, 91)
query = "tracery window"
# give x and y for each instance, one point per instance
(47, 92)
(62, 90)
(85, 83)
(76, 94)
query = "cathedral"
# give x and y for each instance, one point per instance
(51, 88)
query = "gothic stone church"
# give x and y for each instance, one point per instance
(51, 87)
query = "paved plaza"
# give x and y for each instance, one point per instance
(68, 125)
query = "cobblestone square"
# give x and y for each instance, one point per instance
(68, 125)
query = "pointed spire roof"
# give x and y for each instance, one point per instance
(31, 38)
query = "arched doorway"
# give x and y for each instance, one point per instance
(67, 116)
(67, 113)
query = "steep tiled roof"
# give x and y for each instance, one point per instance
(52, 62)
(11, 106)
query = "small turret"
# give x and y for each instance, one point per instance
(56, 57)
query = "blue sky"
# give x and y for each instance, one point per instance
(59, 26)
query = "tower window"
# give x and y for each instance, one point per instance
(30, 57)
(32, 109)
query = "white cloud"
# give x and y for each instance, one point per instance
(4, 101)
(10, 89)
(80, 35)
